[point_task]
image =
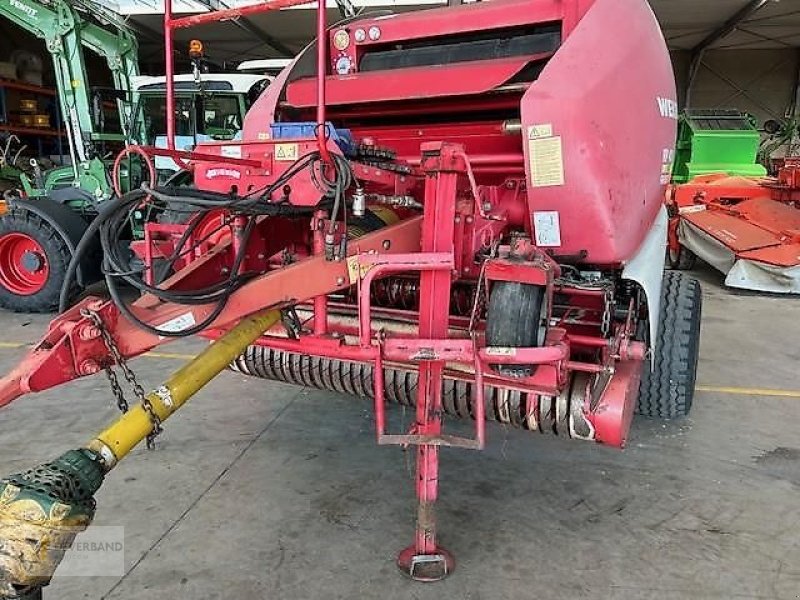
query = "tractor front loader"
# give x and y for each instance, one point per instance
(457, 210)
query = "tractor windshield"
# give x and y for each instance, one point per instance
(198, 117)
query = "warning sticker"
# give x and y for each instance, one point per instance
(546, 161)
(356, 269)
(547, 228)
(177, 324)
(286, 152)
(540, 131)
(501, 351)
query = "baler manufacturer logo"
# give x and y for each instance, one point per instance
(227, 173)
(668, 108)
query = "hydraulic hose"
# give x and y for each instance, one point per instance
(85, 242)
(115, 218)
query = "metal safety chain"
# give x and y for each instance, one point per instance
(608, 311)
(129, 375)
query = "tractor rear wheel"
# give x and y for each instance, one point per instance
(34, 256)
(514, 320)
(667, 387)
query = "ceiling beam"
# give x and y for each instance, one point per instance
(108, 15)
(724, 30)
(248, 26)
(763, 21)
(763, 38)
(729, 26)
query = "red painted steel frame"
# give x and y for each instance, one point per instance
(478, 198)
(169, 72)
(171, 23)
(437, 236)
(71, 350)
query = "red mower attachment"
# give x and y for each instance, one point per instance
(460, 212)
(749, 229)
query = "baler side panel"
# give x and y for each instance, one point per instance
(609, 93)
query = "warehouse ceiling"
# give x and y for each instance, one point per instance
(751, 24)
(289, 31)
(688, 25)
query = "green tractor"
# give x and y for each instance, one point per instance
(47, 216)
(44, 222)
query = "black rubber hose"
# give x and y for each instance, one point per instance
(197, 328)
(114, 217)
(211, 200)
(105, 211)
(123, 308)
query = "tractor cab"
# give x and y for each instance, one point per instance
(211, 109)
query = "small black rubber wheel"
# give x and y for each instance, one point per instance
(667, 388)
(33, 261)
(514, 320)
(682, 260)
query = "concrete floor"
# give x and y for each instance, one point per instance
(259, 490)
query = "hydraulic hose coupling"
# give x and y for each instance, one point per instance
(41, 511)
(330, 246)
(359, 202)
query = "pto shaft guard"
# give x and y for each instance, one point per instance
(43, 509)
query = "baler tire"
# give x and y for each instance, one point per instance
(36, 297)
(683, 260)
(513, 320)
(666, 390)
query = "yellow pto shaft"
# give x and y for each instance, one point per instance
(135, 425)
(44, 508)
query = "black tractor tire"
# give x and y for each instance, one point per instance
(667, 386)
(514, 320)
(682, 260)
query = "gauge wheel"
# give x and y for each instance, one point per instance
(681, 260)
(515, 319)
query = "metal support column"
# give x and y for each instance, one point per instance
(425, 560)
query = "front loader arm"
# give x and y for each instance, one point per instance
(73, 346)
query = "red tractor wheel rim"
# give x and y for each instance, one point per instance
(23, 264)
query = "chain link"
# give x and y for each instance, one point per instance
(608, 311)
(116, 389)
(129, 375)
